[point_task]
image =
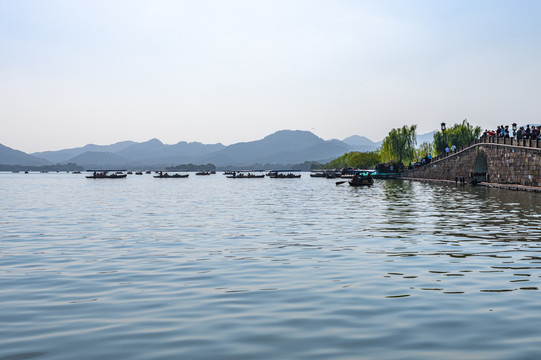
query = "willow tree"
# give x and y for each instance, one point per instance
(355, 159)
(458, 135)
(399, 145)
(424, 150)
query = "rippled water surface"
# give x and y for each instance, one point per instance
(217, 268)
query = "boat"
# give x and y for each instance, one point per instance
(360, 179)
(327, 174)
(333, 175)
(139, 173)
(203, 173)
(317, 173)
(105, 174)
(283, 174)
(349, 173)
(162, 175)
(245, 175)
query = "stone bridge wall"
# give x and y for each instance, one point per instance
(490, 162)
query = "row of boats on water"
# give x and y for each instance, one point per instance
(244, 174)
(44, 172)
(356, 177)
(274, 174)
(350, 173)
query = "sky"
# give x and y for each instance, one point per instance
(104, 71)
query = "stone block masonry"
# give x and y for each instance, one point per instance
(485, 162)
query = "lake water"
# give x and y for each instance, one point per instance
(214, 268)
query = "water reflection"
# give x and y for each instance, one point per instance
(469, 231)
(267, 269)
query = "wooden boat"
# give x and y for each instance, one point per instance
(361, 180)
(333, 175)
(202, 173)
(245, 175)
(174, 176)
(328, 174)
(283, 174)
(104, 174)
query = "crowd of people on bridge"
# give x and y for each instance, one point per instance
(524, 132)
(532, 132)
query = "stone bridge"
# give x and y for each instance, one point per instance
(491, 160)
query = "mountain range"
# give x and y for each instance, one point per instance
(283, 147)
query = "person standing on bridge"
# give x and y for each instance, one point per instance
(520, 133)
(535, 132)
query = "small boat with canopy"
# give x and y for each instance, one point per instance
(162, 175)
(246, 174)
(107, 174)
(284, 174)
(361, 178)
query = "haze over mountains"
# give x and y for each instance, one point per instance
(9, 156)
(280, 148)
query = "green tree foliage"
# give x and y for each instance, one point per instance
(354, 159)
(424, 149)
(399, 145)
(192, 167)
(458, 135)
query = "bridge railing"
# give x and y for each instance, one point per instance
(530, 143)
(527, 143)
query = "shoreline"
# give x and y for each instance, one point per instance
(514, 187)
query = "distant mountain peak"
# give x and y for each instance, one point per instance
(287, 132)
(298, 136)
(153, 141)
(358, 140)
(9, 156)
(284, 146)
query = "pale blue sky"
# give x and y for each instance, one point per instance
(79, 72)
